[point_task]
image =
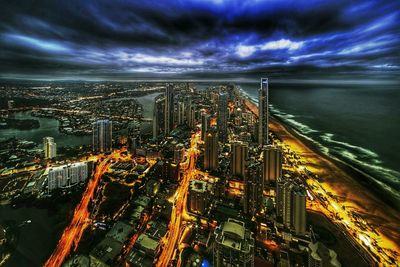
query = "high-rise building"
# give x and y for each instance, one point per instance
(205, 124)
(198, 196)
(102, 136)
(67, 175)
(211, 150)
(320, 256)
(291, 205)
(280, 194)
(10, 104)
(191, 119)
(222, 116)
(299, 222)
(181, 113)
(179, 153)
(158, 116)
(134, 141)
(253, 193)
(287, 204)
(234, 245)
(239, 151)
(49, 147)
(263, 112)
(169, 109)
(272, 165)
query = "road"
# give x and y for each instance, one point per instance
(80, 220)
(174, 229)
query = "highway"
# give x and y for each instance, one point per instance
(80, 220)
(174, 228)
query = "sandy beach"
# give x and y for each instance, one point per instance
(345, 184)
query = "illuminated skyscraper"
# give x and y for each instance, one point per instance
(299, 222)
(198, 196)
(239, 151)
(169, 109)
(181, 113)
(263, 112)
(191, 119)
(222, 116)
(291, 205)
(205, 124)
(287, 204)
(49, 147)
(179, 153)
(234, 245)
(102, 136)
(134, 136)
(158, 116)
(253, 193)
(211, 150)
(272, 165)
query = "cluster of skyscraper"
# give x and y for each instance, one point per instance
(170, 110)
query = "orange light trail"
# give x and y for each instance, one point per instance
(178, 211)
(73, 233)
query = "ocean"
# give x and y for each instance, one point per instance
(353, 121)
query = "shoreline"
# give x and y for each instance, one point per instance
(350, 185)
(361, 176)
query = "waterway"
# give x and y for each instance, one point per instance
(48, 127)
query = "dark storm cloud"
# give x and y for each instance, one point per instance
(170, 37)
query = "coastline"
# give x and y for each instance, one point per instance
(362, 177)
(349, 184)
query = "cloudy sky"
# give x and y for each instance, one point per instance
(197, 37)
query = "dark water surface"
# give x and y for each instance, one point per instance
(35, 241)
(48, 127)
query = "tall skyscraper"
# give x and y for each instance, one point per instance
(272, 165)
(49, 147)
(158, 116)
(211, 150)
(280, 194)
(181, 113)
(291, 200)
(191, 119)
(234, 245)
(179, 153)
(253, 193)
(198, 196)
(102, 136)
(205, 124)
(287, 204)
(134, 141)
(263, 112)
(222, 116)
(239, 151)
(299, 222)
(169, 109)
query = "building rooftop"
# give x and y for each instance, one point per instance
(120, 232)
(147, 243)
(321, 253)
(234, 235)
(198, 186)
(232, 227)
(107, 250)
